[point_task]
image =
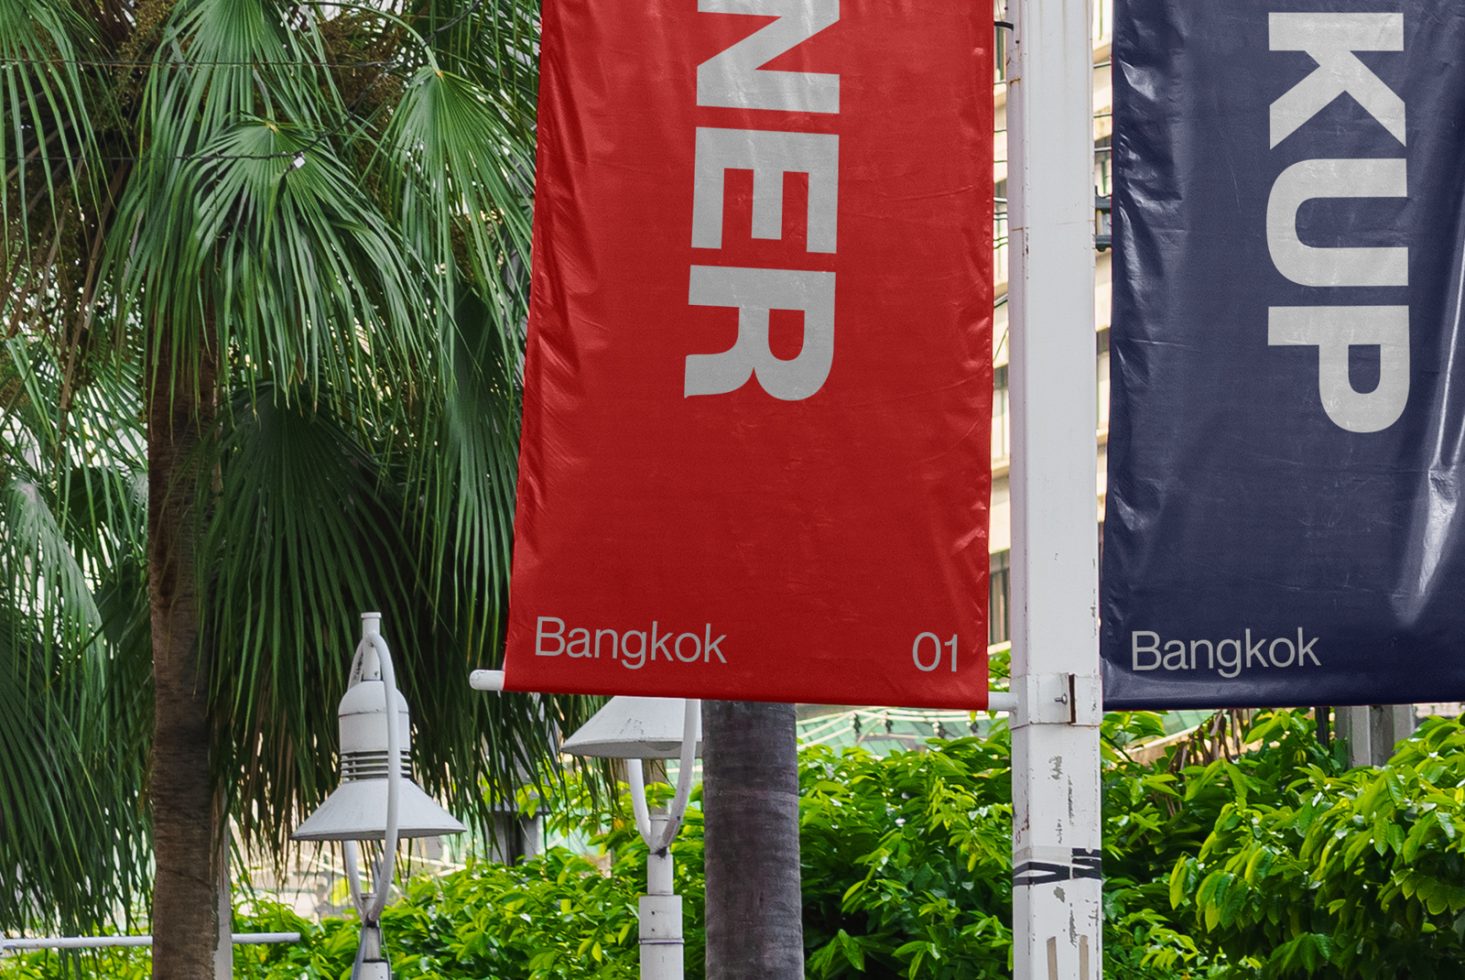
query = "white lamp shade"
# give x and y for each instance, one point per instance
(357, 810)
(633, 728)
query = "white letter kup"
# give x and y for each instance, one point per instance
(1304, 650)
(1331, 40)
(1333, 330)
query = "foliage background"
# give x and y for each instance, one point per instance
(300, 233)
(1274, 862)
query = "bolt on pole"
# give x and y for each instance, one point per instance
(1055, 738)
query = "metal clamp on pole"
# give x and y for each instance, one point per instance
(1058, 699)
(1087, 700)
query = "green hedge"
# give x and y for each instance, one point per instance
(1275, 863)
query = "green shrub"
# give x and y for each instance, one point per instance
(1275, 862)
(1337, 875)
(907, 864)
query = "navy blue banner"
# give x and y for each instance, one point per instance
(1287, 441)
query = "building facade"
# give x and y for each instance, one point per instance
(1000, 530)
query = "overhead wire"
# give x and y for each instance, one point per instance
(297, 156)
(188, 63)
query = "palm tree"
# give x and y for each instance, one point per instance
(750, 810)
(262, 302)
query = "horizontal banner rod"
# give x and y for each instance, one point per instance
(1001, 701)
(97, 942)
(493, 680)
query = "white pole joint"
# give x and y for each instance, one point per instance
(662, 945)
(661, 919)
(659, 880)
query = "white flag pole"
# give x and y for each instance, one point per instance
(1055, 741)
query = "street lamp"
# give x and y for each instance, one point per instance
(377, 799)
(633, 729)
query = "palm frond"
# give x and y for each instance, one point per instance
(39, 555)
(70, 851)
(48, 145)
(74, 846)
(246, 227)
(464, 473)
(304, 536)
(45, 571)
(308, 531)
(307, 278)
(494, 43)
(457, 171)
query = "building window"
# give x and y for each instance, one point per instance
(1101, 369)
(999, 45)
(999, 231)
(1104, 166)
(999, 590)
(1001, 426)
(999, 213)
(1103, 21)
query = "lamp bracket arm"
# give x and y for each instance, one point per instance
(636, 780)
(691, 735)
(383, 884)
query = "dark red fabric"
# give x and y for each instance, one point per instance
(819, 537)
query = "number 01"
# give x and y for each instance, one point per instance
(935, 654)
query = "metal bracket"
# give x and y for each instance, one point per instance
(1086, 700)
(1059, 699)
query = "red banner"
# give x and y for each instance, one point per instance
(755, 457)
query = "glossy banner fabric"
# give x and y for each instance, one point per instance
(755, 457)
(1285, 462)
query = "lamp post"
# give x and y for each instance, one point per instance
(634, 729)
(377, 799)
(1057, 887)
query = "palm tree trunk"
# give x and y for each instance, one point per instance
(750, 803)
(185, 812)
